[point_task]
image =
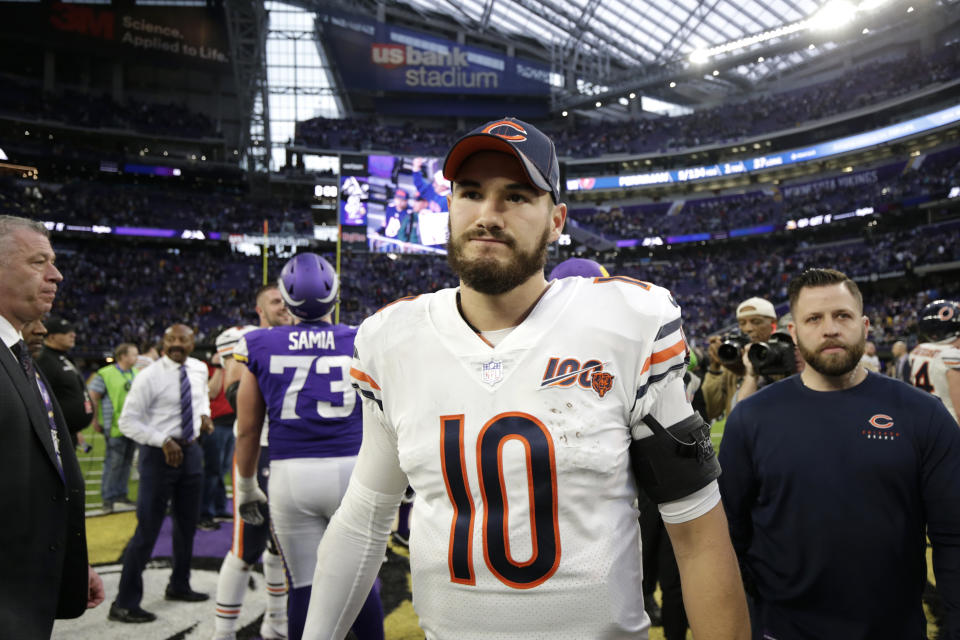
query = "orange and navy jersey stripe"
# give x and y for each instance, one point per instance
(639, 283)
(366, 386)
(670, 355)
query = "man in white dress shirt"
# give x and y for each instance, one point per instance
(165, 411)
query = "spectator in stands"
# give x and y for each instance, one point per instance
(730, 382)
(395, 214)
(832, 481)
(165, 411)
(434, 191)
(66, 382)
(410, 229)
(108, 389)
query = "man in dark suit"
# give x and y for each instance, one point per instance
(44, 574)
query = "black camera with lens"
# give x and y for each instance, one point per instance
(775, 356)
(730, 351)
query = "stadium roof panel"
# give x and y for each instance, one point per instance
(603, 50)
(632, 32)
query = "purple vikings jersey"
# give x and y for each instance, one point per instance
(304, 376)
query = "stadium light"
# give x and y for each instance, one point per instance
(909, 9)
(564, 113)
(632, 95)
(834, 15)
(599, 104)
(865, 31)
(623, 101)
(716, 72)
(700, 56)
(673, 84)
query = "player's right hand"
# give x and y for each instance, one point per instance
(250, 497)
(172, 453)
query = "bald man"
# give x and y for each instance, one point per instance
(165, 411)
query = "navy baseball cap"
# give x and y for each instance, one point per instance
(578, 267)
(532, 147)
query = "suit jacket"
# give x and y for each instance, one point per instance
(44, 572)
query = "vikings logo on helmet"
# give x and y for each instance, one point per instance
(309, 286)
(601, 381)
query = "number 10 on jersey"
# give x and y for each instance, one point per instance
(541, 482)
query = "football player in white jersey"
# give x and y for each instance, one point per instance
(935, 364)
(524, 413)
(250, 541)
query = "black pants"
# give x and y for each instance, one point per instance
(659, 563)
(160, 483)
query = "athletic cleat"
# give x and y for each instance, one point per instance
(273, 627)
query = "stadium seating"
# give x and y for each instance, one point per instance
(26, 99)
(860, 87)
(885, 187)
(84, 202)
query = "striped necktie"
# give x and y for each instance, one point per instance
(186, 406)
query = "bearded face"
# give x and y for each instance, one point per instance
(494, 274)
(834, 357)
(829, 329)
(500, 224)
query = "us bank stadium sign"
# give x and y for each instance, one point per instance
(374, 56)
(434, 69)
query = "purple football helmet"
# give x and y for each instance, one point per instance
(309, 286)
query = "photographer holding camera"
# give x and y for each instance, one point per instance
(731, 375)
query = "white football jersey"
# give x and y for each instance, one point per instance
(227, 340)
(231, 341)
(929, 363)
(524, 524)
